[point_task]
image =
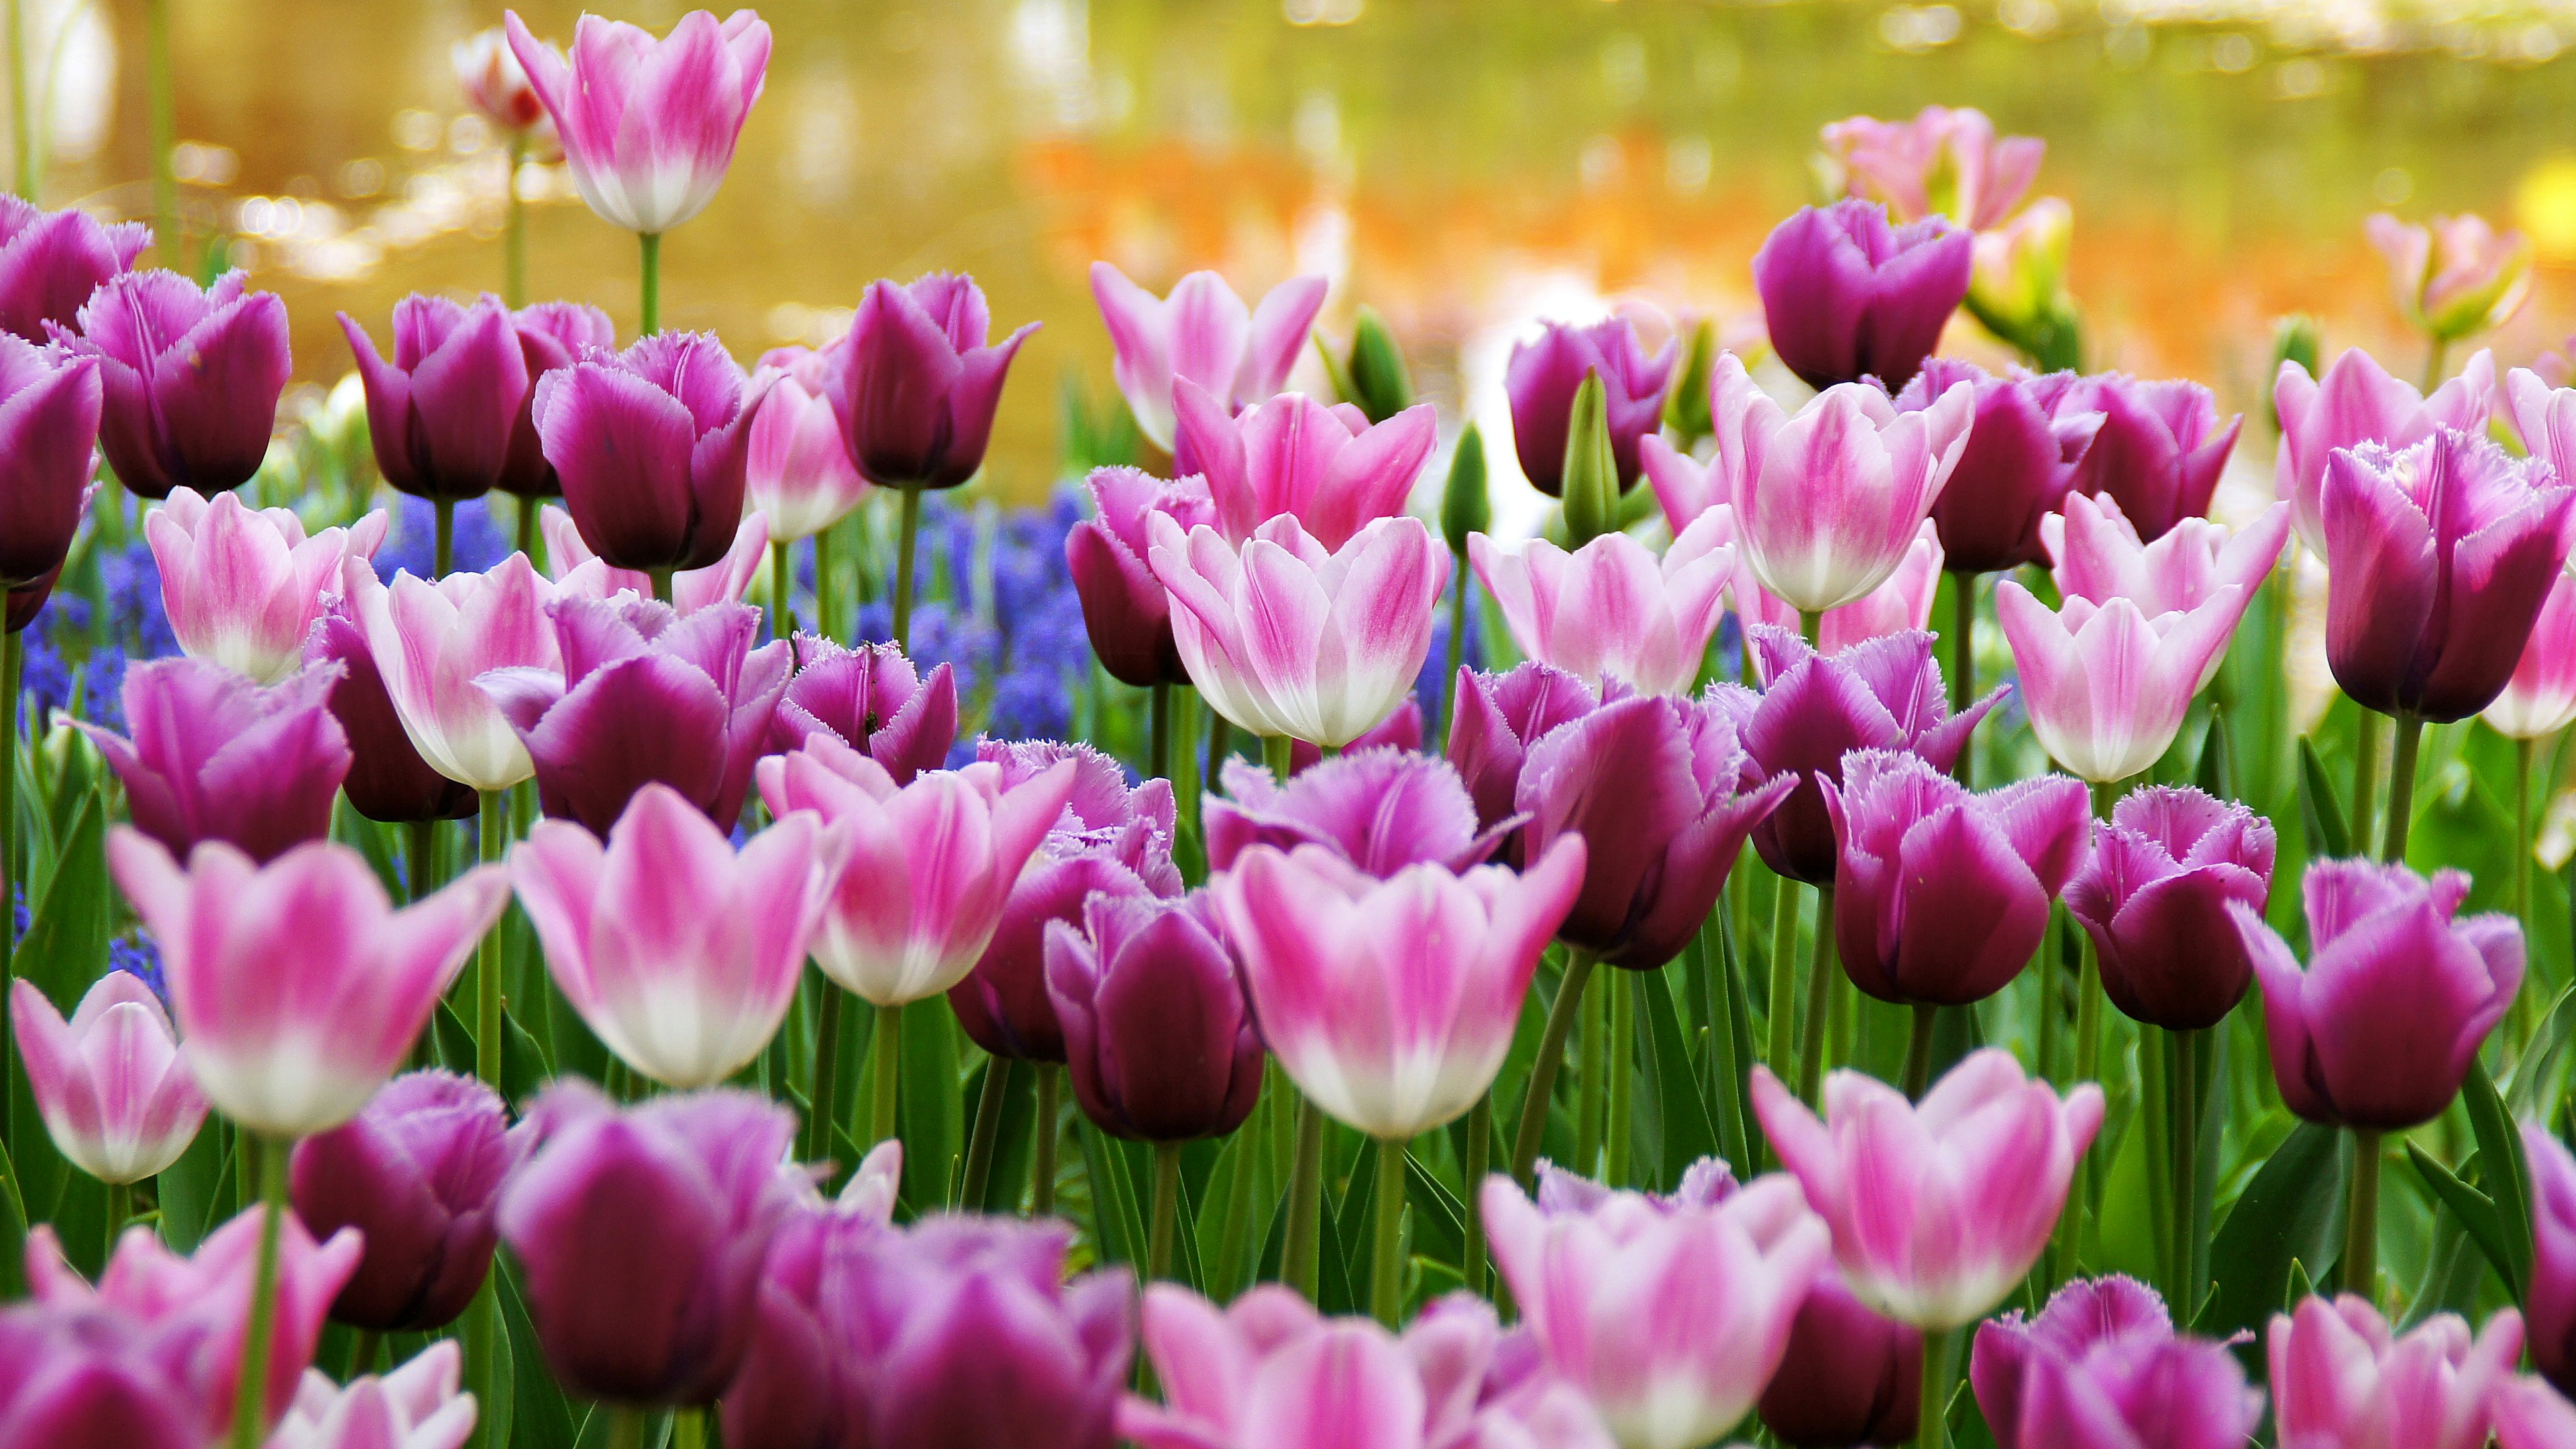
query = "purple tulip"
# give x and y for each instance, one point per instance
(1495, 718)
(2102, 1368)
(27, 600)
(2154, 898)
(916, 385)
(651, 445)
(871, 699)
(2378, 1031)
(1942, 895)
(645, 696)
(2445, 553)
(86, 1378)
(191, 378)
(551, 335)
(388, 780)
(49, 417)
(2549, 1307)
(2356, 402)
(2158, 451)
(1543, 376)
(416, 1173)
(659, 1311)
(1157, 1030)
(1884, 694)
(216, 757)
(1848, 296)
(442, 413)
(51, 261)
(1850, 1377)
(1381, 809)
(1124, 608)
(2022, 455)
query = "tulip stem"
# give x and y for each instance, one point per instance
(1821, 969)
(1279, 753)
(1543, 1068)
(363, 1345)
(1159, 730)
(514, 228)
(1784, 980)
(1042, 1161)
(2365, 777)
(250, 1393)
(2183, 1076)
(908, 531)
(1591, 1086)
(625, 1427)
(1940, 1359)
(988, 1130)
(1620, 1058)
(659, 581)
(13, 658)
(2401, 787)
(442, 554)
(165, 134)
(487, 952)
(1301, 1255)
(527, 527)
(1963, 662)
(782, 620)
(2437, 363)
(1811, 625)
(1220, 744)
(826, 618)
(1459, 578)
(887, 1052)
(22, 118)
(2361, 1226)
(120, 1206)
(1480, 1153)
(1167, 1211)
(651, 315)
(1386, 1249)
(2522, 843)
(822, 1098)
(1918, 1051)
(688, 1428)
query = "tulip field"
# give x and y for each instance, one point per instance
(588, 886)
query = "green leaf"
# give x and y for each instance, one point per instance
(1015, 1145)
(1354, 1228)
(1118, 1223)
(1686, 405)
(2293, 1210)
(1439, 1219)
(524, 1069)
(190, 1187)
(543, 1417)
(2320, 808)
(2506, 1178)
(1591, 477)
(65, 948)
(2474, 1210)
(2216, 775)
(13, 1234)
(933, 1112)
(1690, 1132)
(2535, 1076)
(452, 1039)
(1337, 374)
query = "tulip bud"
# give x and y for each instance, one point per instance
(2296, 338)
(2154, 898)
(1379, 383)
(1466, 506)
(117, 1100)
(1591, 475)
(1686, 406)
(2455, 277)
(1157, 1030)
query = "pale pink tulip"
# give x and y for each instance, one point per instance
(1202, 334)
(2455, 277)
(1943, 162)
(2107, 686)
(1329, 467)
(117, 1101)
(431, 641)
(243, 587)
(648, 126)
(2529, 1414)
(2342, 1380)
(580, 573)
(2545, 415)
(417, 1406)
(2094, 553)
(2540, 699)
(798, 476)
(1609, 609)
(2356, 402)
(1902, 603)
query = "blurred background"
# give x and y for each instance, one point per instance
(1465, 166)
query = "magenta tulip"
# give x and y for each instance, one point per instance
(243, 587)
(115, 1097)
(1157, 1030)
(2154, 897)
(442, 413)
(2097, 555)
(580, 573)
(552, 335)
(2159, 449)
(1328, 467)
(1494, 720)
(2359, 402)
(2341, 1378)
(1201, 334)
(1849, 1376)
(916, 384)
(2551, 1299)
(417, 1406)
(1610, 609)
(2024, 451)
(1380, 809)
(1944, 162)
(432, 641)
(1847, 295)
(798, 477)
(52, 261)
(49, 417)
(387, 780)
(190, 378)
(2102, 1368)
(80, 1379)
(2531, 1415)
(651, 445)
(791, 1391)
(1124, 608)
(871, 699)
(2107, 685)
(216, 757)
(1543, 375)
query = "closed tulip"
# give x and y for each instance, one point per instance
(2096, 554)
(1157, 1030)
(493, 82)
(243, 586)
(652, 446)
(2102, 1368)
(442, 413)
(298, 988)
(1380, 809)
(798, 477)
(115, 1097)
(190, 378)
(1849, 1376)
(2154, 897)
(49, 416)
(1543, 376)
(432, 641)
(51, 261)
(79, 1379)
(1937, 1208)
(2159, 450)
(2357, 402)
(1610, 610)
(417, 1406)
(1328, 467)
(1944, 162)
(872, 699)
(2107, 685)
(2457, 276)
(2378, 1031)
(916, 384)
(216, 757)
(2024, 451)
(789, 1393)
(2341, 1379)
(1204, 335)
(2551, 1300)
(2017, 281)
(2530, 1415)
(579, 573)
(387, 779)
(1848, 295)
(1901, 602)
(1125, 610)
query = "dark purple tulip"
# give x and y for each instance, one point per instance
(442, 412)
(1381, 809)
(50, 262)
(191, 378)
(217, 757)
(2378, 1032)
(871, 699)
(85, 1378)
(646, 695)
(1850, 1377)
(1495, 718)
(2102, 1368)
(2444, 552)
(551, 335)
(388, 780)
(1543, 376)
(659, 1310)
(1942, 895)
(2549, 1309)
(1124, 608)
(416, 1172)
(27, 600)
(2021, 457)
(1884, 694)
(49, 416)
(651, 446)
(1158, 1033)
(1663, 793)
(1848, 296)
(2154, 898)
(915, 387)
(2159, 449)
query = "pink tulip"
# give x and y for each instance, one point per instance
(2529, 1414)
(2550, 1300)
(931, 863)
(51, 261)
(2545, 415)
(679, 953)
(297, 986)
(799, 478)
(1328, 467)
(2540, 699)
(580, 573)
(1944, 162)
(2456, 277)
(1937, 1208)
(216, 757)
(1902, 603)
(49, 412)
(2359, 402)
(1609, 610)
(417, 1406)
(495, 84)
(2155, 896)
(2095, 554)
(871, 699)
(190, 378)
(2102, 1368)
(2024, 452)
(243, 587)
(387, 779)
(1381, 809)
(2107, 686)
(1124, 607)
(1202, 334)
(648, 126)
(432, 641)
(78, 1379)
(1827, 503)
(109, 1084)
(1391, 1002)
(1285, 637)
(2342, 1380)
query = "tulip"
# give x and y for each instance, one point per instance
(1328, 467)
(1380, 809)
(1286, 638)
(190, 378)
(871, 699)
(1543, 376)
(2380, 1029)
(432, 641)
(915, 385)
(2017, 283)
(1827, 502)
(2154, 896)
(387, 779)
(2159, 450)
(1103, 814)
(1494, 720)
(2544, 414)
(1124, 608)
(657, 1313)
(1401, 731)
(243, 587)
(52, 261)
(2457, 276)
(2446, 550)
(789, 1393)
(1944, 162)
(552, 335)
(2358, 402)
(442, 414)
(49, 416)
(1847, 295)
(1201, 334)
(1599, 1286)
(797, 475)
(648, 126)
(417, 1406)
(1609, 610)
(494, 83)
(2096, 554)
(2102, 1368)
(298, 988)
(680, 954)
(109, 1084)
(2340, 1377)
(2108, 686)
(216, 757)
(1391, 1002)
(2024, 450)
(1160, 1039)
(651, 445)
(1848, 1377)
(2551, 1299)
(2529, 1415)
(25, 601)
(1937, 1208)
(1902, 602)
(80, 1380)
(579, 573)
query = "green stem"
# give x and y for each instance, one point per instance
(13, 658)
(528, 540)
(1821, 971)
(659, 581)
(2052, 1001)
(1302, 1256)
(495, 821)
(910, 529)
(165, 134)
(1619, 1059)
(1220, 744)
(443, 555)
(1042, 1159)
(2522, 842)
(1784, 982)
(1940, 1363)
(689, 1428)
(1159, 730)
(250, 1394)
(363, 1346)
(652, 284)
(988, 1130)
(2365, 776)
(1225, 1277)
(2361, 1227)
(481, 1316)
(1811, 623)
(1480, 1154)
(1279, 753)
(2185, 1073)
(120, 1207)
(1462, 578)
(1963, 660)
(1543, 1068)
(1167, 1211)
(782, 619)
(1386, 1249)
(22, 109)
(1918, 1050)
(2437, 359)
(824, 1098)
(625, 1427)
(887, 1052)
(2401, 787)
(1593, 1085)
(827, 619)
(514, 229)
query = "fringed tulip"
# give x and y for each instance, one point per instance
(2154, 897)
(1937, 1208)
(552, 335)
(49, 416)
(1202, 334)
(2096, 554)
(79, 1379)
(2357, 402)
(443, 412)
(115, 1097)
(417, 1173)
(52, 261)
(1847, 295)
(2341, 1379)
(915, 386)
(191, 378)
(1125, 611)
(2530, 1415)
(2457, 276)
(652, 446)
(493, 82)
(1610, 610)
(1944, 162)
(1849, 1376)
(871, 699)
(1379, 809)
(417, 1406)
(298, 988)
(1493, 722)
(2159, 450)
(1284, 637)
(1157, 1030)
(1328, 467)
(1543, 376)
(216, 757)
(579, 573)
(798, 477)
(2102, 1368)
(387, 779)
(432, 641)
(243, 586)
(2550, 1301)
(2107, 686)
(2024, 451)
(2379, 1030)
(1900, 603)
(648, 126)
(1391, 1003)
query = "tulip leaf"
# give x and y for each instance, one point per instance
(542, 1417)
(2535, 1076)
(932, 1104)
(2507, 1177)
(1350, 1236)
(189, 1188)
(13, 1233)
(2216, 775)
(1337, 374)
(1466, 504)
(1439, 1219)
(1015, 1145)
(524, 1068)
(1117, 1221)
(2472, 1209)
(2319, 807)
(452, 1039)
(2292, 1212)
(1690, 1131)
(1590, 481)
(65, 948)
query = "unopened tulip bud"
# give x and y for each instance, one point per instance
(1380, 384)
(1686, 404)
(1591, 479)
(1466, 505)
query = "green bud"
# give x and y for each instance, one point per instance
(1379, 382)
(1686, 403)
(1591, 474)
(2295, 339)
(1465, 506)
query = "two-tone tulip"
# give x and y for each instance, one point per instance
(1946, 161)
(1611, 610)
(1330, 468)
(116, 1099)
(242, 586)
(190, 377)
(2357, 402)
(1125, 609)
(216, 757)
(1203, 334)
(51, 261)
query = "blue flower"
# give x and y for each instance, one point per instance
(411, 545)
